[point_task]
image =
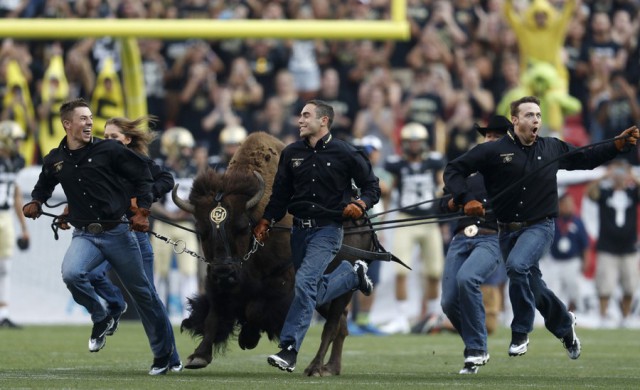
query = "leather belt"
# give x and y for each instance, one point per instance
(474, 230)
(100, 227)
(515, 226)
(308, 223)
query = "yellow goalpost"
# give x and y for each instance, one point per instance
(397, 28)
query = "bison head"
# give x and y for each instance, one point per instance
(223, 208)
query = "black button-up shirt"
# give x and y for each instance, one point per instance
(162, 180)
(505, 161)
(320, 175)
(95, 180)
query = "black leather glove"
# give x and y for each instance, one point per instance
(23, 243)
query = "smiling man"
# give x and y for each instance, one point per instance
(314, 175)
(525, 211)
(92, 173)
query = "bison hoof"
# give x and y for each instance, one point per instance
(195, 362)
(321, 371)
(248, 338)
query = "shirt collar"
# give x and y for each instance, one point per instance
(322, 142)
(326, 139)
(511, 133)
(63, 145)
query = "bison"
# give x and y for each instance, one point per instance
(249, 287)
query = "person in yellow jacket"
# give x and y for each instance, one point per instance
(541, 31)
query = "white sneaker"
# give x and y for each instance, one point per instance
(99, 334)
(473, 362)
(518, 349)
(398, 326)
(477, 360)
(572, 344)
(364, 283)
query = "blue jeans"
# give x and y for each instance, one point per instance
(522, 250)
(469, 262)
(106, 289)
(312, 251)
(110, 292)
(120, 248)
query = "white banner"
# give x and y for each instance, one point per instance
(38, 295)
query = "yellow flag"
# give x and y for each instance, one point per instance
(107, 100)
(18, 101)
(55, 90)
(133, 78)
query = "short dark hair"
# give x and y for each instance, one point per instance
(323, 109)
(66, 109)
(515, 105)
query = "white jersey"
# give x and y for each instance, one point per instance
(184, 189)
(8, 174)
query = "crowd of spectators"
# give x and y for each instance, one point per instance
(461, 60)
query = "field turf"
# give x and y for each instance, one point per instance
(56, 357)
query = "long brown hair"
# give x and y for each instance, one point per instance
(136, 129)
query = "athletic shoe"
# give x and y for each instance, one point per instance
(477, 358)
(365, 286)
(430, 324)
(571, 341)
(116, 321)
(7, 323)
(519, 344)
(176, 367)
(285, 359)
(160, 366)
(99, 334)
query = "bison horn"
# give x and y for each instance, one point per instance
(183, 204)
(256, 198)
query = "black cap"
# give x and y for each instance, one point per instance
(497, 123)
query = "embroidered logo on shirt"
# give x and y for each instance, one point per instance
(506, 158)
(296, 162)
(57, 167)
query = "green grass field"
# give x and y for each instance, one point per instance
(56, 357)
